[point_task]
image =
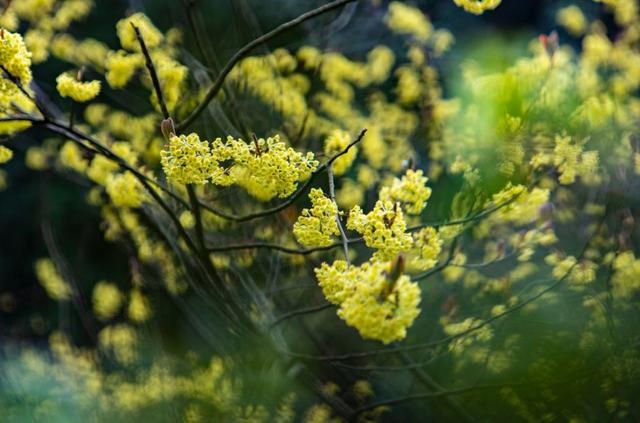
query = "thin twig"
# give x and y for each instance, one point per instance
(343, 234)
(152, 72)
(274, 247)
(24, 91)
(385, 351)
(195, 209)
(240, 54)
(308, 310)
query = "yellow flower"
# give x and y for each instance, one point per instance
(384, 229)
(71, 156)
(37, 42)
(405, 19)
(572, 161)
(121, 340)
(409, 87)
(79, 91)
(5, 154)
(187, 160)
(139, 309)
(37, 158)
(57, 288)
(265, 168)
(125, 190)
(572, 19)
(336, 142)
(107, 300)
(518, 205)
(187, 219)
(370, 300)
(15, 57)
(316, 227)
(429, 245)
(121, 67)
(477, 7)
(152, 36)
(411, 191)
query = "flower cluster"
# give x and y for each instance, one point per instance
(379, 305)
(125, 190)
(477, 7)
(107, 300)
(518, 205)
(408, 20)
(265, 168)
(15, 57)
(410, 191)
(79, 91)
(316, 227)
(187, 160)
(47, 273)
(384, 228)
(16, 61)
(5, 154)
(337, 142)
(428, 245)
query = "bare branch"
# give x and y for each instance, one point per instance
(240, 54)
(152, 72)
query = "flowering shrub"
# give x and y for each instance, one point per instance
(326, 235)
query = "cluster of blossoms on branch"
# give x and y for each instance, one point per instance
(522, 149)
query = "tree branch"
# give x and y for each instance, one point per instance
(240, 54)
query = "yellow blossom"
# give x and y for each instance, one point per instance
(37, 158)
(410, 191)
(337, 142)
(125, 190)
(37, 42)
(265, 168)
(121, 341)
(572, 19)
(405, 19)
(49, 277)
(384, 228)
(71, 156)
(107, 300)
(316, 227)
(121, 67)
(477, 7)
(428, 244)
(518, 205)
(369, 300)
(187, 160)
(79, 91)
(187, 220)
(15, 58)
(5, 154)
(152, 36)
(139, 309)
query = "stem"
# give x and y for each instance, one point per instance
(343, 234)
(240, 54)
(195, 209)
(152, 72)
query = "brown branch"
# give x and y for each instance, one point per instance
(152, 72)
(240, 54)
(308, 310)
